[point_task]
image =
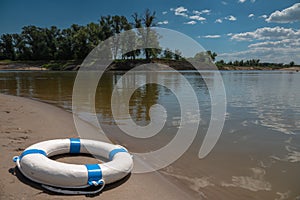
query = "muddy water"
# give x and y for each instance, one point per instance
(257, 155)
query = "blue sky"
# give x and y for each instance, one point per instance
(235, 29)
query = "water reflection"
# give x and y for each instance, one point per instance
(52, 87)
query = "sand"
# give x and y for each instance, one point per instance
(24, 122)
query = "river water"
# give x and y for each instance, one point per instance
(257, 155)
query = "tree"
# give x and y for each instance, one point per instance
(51, 40)
(21, 50)
(36, 40)
(148, 37)
(212, 55)
(65, 45)
(177, 55)
(292, 63)
(167, 54)
(105, 25)
(7, 47)
(128, 45)
(81, 45)
(119, 24)
(241, 63)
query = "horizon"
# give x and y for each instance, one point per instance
(234, 29)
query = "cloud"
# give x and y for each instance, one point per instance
(181, 11)
(288, 15)
(268, 33)
(271, 44)
(285, 43)
(224, 2)
(206, 11)
(263, 16)
(212, 36)
(251, 15)
(231, 18)
(196, 17)
(219, 21)
(163, 22)
(191, 22)
(265, 54)
(243, 1)
(164, 12)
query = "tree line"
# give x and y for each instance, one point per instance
(253, 63)
(75, 42)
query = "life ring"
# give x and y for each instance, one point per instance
(35, 164)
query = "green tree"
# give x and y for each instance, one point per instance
(51, 40)
(212, 55)
(7, 47)
(21, 50)
(147, 35)
(106, 27)
(167, 54)
(65, 45)
(35, 38)
(177, 55)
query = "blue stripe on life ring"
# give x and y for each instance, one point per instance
(75, 145)
(32, 151)
(94, 174)
(115, 151)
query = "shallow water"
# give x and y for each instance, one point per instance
(257, 155)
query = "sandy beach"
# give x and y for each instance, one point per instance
(24, 122)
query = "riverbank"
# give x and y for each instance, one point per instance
(125, 65)
(24, 122)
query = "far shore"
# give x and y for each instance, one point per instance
(125, 65)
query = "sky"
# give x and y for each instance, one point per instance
(268, 30)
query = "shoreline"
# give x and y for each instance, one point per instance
(125, 65)
(24, 122)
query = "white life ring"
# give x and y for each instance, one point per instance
(35, 164)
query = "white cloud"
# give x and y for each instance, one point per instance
(212, 36)
(191, 22)
(272, 55)
(276, 44)
(181, 11)
(231, 18)
(206, 11)
(268, 33)
(219, 21)
(229, 34)
(251, 15)
(288, 15)
(196, 17)
(285, 43)
(224, 2)
(263, 16)
(243, 1)
(164, 12)
(198, 13)
(163, 22)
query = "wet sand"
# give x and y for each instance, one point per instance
(24, 122)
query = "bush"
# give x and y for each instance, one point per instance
(53, 66)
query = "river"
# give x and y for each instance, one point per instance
(257, 155)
